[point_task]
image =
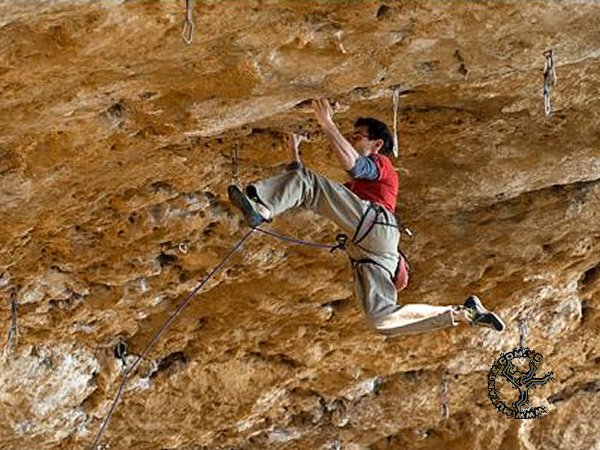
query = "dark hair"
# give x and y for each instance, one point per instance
(377, 130)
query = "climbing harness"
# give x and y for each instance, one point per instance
(188, 26)
(121, 350)
(523, 331)
(444, 408)
(369, 219)
(549, 79)
(367, 222)
(395, 106)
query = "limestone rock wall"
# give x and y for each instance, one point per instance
(115, 154)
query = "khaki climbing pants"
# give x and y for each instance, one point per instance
(373, 284)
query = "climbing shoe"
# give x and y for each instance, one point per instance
(252, 217)
(478, 315)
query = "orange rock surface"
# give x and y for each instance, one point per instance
(115, 154)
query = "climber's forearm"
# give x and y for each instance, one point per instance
(346, 154)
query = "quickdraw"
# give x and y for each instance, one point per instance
(549, 80)
(188, 25)
(523, 332)
(395, 107)
(13, 332)
(444, 408)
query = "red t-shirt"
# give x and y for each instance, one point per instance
(384, 190)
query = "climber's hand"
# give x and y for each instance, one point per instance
(323, 112)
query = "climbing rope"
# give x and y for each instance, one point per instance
(161, 330)
(341, 241)
(395, 106)
(549, 79)
(444, 408)
(188, 25)
(340, 238)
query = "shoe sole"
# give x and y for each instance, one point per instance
(497, 322)
(474, 302)
(239, 200)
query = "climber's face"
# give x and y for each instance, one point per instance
(363, 143)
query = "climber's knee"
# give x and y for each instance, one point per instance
(377, 325)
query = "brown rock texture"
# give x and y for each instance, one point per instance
(115, 154)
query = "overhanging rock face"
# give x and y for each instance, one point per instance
(115, 155)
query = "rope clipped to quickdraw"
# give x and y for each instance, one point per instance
(396, 105)
(549, 79)
(188, 25)
(444, 408)
(341, 240)
(121, 350)
(161, 330)
(523, 331)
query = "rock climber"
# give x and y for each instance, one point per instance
(373, 191)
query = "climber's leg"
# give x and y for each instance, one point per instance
(377, 295)
(303, 187)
